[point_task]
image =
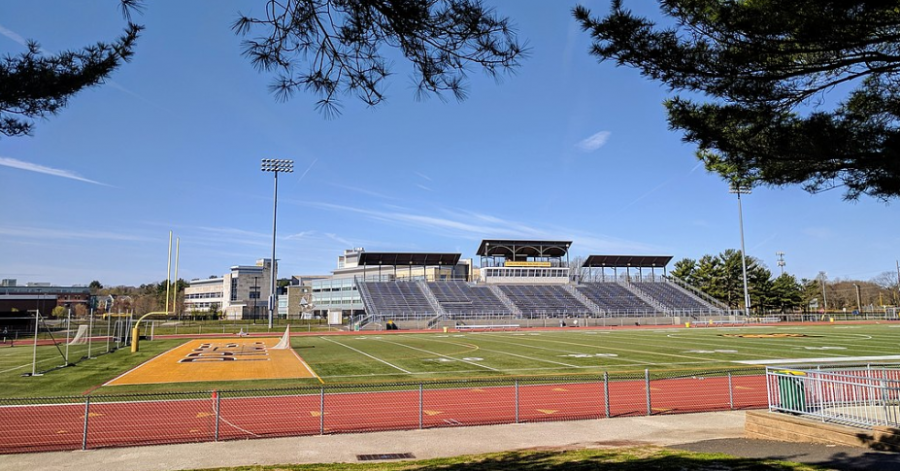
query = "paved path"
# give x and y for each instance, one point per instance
(831, 456)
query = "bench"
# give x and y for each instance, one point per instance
(488, 327)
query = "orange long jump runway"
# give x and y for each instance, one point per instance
(219, 360)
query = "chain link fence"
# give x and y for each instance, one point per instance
(98, 421)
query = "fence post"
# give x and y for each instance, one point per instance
(217, 406)
(517, 399)
(647, 388)
(606, 392)
(421, 408)
(87, 413)
(730, 392)
(322, 411)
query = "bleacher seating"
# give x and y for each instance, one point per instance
(544, 300)
(399, 298)
(459, 299)
(673, 297)
(615, 299)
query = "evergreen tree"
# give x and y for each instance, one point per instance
(770, 70)
(37, 85)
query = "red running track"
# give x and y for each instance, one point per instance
(37, 428)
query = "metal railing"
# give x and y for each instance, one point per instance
(98, 421)
(860, 396)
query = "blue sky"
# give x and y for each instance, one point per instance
(565, 148)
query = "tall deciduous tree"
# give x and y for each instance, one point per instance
(769, 70)
(36, 85)
(333, 47)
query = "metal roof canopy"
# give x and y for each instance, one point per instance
(619, 261)
(523, 248)
(401, 259)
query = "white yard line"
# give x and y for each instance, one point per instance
(501, 352)
(441, 355)
(366, 354)
(818, 360)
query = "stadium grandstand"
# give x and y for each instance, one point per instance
(520, 282)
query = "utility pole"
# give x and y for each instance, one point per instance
(824, 296)
(780, 261)
(858, 303)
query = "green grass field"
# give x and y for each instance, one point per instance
(622, 459)
(435, 356)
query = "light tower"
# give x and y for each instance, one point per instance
(275, 166)
(737, 189)
(780, 261)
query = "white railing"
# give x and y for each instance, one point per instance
(696, 293)
(863, 397)
(505, 300)
(595, 309)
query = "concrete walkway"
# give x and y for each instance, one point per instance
(423, 444)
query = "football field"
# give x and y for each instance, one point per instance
(374, 357)
(364, 358)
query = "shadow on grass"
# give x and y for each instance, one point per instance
(629, 459)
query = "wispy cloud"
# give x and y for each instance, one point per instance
(422, 175)
(423, 187)
(763, 243)
(31, 233)
(28, 166)
(340, 239)
(363, 191)
(471, 225)
(660, 186)
(299, 235)
(594, 142)
(306, 171)
(13, 35)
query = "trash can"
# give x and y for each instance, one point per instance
(792, 391)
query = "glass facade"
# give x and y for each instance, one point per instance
(336, 294)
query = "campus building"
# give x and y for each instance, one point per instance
(240, 294)
(41, 296)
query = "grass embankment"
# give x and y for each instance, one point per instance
(619, 459)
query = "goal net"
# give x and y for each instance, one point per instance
(285, 342)
(80, 336)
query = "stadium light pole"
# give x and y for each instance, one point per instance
(275, 166)
(737, 189)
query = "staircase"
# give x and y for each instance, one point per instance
(516, 312)
(366, 297)
(595, 309)
(643, 296)
(695, 293)
(435, 304)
